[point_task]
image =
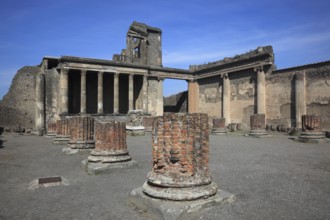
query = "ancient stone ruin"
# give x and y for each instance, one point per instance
(311, 129)
(180, 157)
(134, 125)
(110, 148)
(62, 132)
(219, 126)
(52, 129)
(258, 125)
(81, 135)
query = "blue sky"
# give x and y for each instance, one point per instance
(194, 32)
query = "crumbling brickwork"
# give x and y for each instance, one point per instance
(81, 132)
(258, 122)
(311, 123)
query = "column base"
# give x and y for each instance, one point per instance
(219, 131)
(312, 137)
(165, 209)
(61, 139)
(135, 130)
(81, 144)
(50, 134)
(74, 151)
(258, 133)
(95, 168)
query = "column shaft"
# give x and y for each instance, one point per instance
(83, 92)
(226, 99)
(64, 81)
(160, 101)
(145, 94)
(116, 93)
(261, 92)
(39, 117)
(130, 92)
(100, 93)
(193, 94)
(300, 101)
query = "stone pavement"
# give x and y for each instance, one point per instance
(272, 178)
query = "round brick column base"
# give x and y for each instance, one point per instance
(180, 194)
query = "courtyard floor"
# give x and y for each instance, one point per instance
(271, 178)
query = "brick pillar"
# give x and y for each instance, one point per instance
(110, 143)
(116, 93)
(130, 92)
(145, 94)
(261, 91)
(311, 129)
(64, 85)
(63, 128)
(83, 92)
(219, 126)
(40, 109)
(180, 156)
(51, 129)
(100, 93)
(193, 96)
(81, 132)
(258, 125)
(226, 98)
(300, 100)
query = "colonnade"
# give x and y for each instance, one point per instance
(64, 90)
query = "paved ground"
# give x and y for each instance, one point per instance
(272, 178)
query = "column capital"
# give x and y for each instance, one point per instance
(64, 70)
(100, 72)
(259, 69)
(224, 76)
(131, 75)
(116, 74)
(191, 80)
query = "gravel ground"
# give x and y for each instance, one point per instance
(271, 178)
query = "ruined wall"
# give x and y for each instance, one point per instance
(243, 96)
(52, 81)
(18, 105)
(176, 103)
(210, 96)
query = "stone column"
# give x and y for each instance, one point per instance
(40, 109)
(145, 94)
(64, 84)
(258, 125)
(130, 92)
(311, 129)
(83, 92)
(261, 91)
(226, 98)
(300, 102)
(180, 155)
(160, 99)
(193, 93)
(100, 93)
(81, 134)
(116, 93)
(110, 147)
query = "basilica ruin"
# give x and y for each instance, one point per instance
(232, 89)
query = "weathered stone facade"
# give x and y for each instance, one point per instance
(233, 88)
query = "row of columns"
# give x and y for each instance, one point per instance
(65, 92)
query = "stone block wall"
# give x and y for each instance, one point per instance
(52, 98)
(18, 105)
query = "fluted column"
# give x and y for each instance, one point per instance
(193, 92)
(100, 93)
(226, 98)
(261, 91)
(64, 81)
(130, 92)
(83, 92)
(116, 93)
(145, 94)
(300, 101)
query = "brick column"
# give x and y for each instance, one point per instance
(219, 126)
(300, 102)
(64, 84)
(40, 109)
(63, 128)
(193, 93)
(261, 91)
(180, 156)
(116, 93)
(145, 94)
(311, 129)
(130, 92)
(83, 92)
(258, 125)
(81, 134)
(226, 98)
(100, 93)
